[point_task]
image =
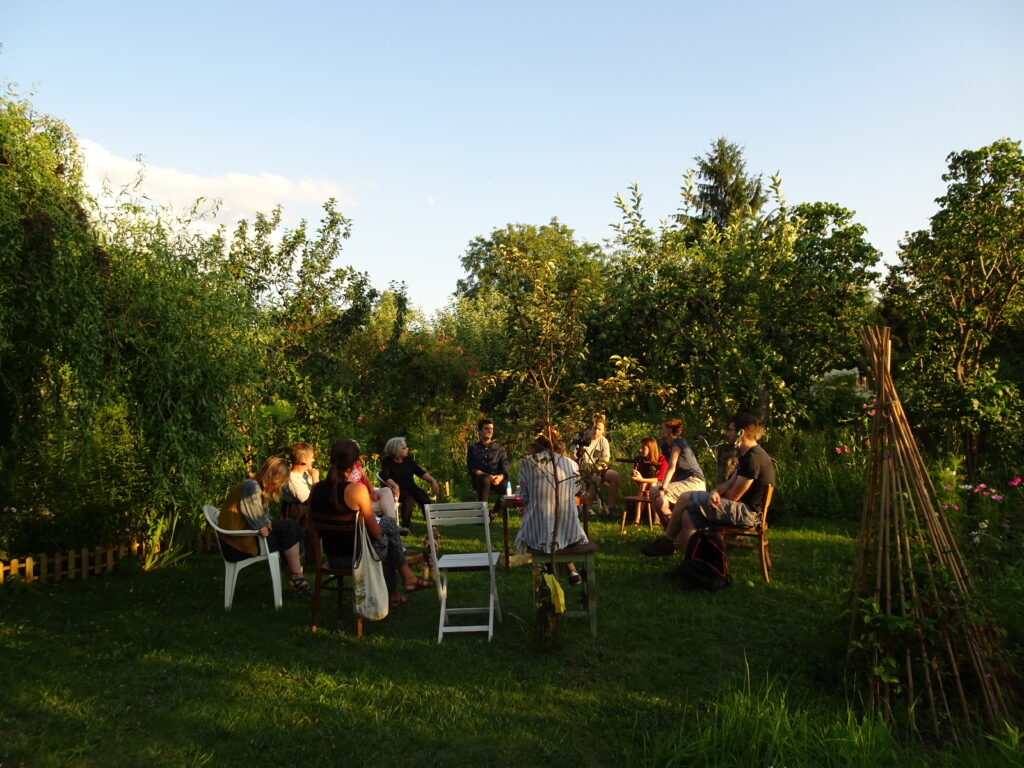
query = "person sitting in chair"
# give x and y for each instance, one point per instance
(339, 498)
(487, 463)
(739, 501)
(400, 471)
(549, 481)
(594, 454)
(246, 507)
(684, 473)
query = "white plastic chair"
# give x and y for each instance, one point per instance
(463, 513)
(231, 569)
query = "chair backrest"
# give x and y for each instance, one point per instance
(457, 513)
(213, 516)
(318, 527)
(769, 491)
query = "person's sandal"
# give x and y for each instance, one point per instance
(417, 584)
(300, 586)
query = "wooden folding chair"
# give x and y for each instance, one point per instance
(326, 576)
(742, 535)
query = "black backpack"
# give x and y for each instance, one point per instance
(704, 566)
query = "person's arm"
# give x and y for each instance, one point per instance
(670, 467)
(358, 498)
(250, 504)
(473, 461)
(433, 483)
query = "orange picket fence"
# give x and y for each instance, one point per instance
(82, 563)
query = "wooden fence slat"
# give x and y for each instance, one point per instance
(44, 563)
(84, 567)
(3, 569)
(71, 565)
(30, 570)
(15, 567)
(110, 558)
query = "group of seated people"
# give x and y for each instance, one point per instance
(551, 484)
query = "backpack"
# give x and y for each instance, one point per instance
(704, 566)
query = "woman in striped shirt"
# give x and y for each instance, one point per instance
(549, 481)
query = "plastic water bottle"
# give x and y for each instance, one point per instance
(508, 488)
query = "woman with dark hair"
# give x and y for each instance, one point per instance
(648, 469)
(340, 499)
(246, 507)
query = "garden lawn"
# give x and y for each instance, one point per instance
(148, 670)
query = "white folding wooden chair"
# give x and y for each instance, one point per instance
(231, 569)
(463, 513)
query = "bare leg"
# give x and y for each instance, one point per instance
(291, 557)
(687, 528)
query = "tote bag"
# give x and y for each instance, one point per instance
(370, 593)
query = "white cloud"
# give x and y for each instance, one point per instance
(241, 194)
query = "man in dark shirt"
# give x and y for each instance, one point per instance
(736, 501)
(487, 462)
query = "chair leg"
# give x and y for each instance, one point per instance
(650, 515)
(230, 575)
(442, 592)
(766, 559)
(622, 523)
(274, 561)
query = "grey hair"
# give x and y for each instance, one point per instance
(394, 446)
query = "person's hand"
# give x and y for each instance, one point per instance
(264, 531)
(496, 480)
(395, 493)
(375, 495)
(314, 473)
(715, 499)
(636, 475)
(437, 489)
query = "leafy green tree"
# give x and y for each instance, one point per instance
(745, 315)
(52, 270)
(958, 286)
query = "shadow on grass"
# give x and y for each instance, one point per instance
(150, 669)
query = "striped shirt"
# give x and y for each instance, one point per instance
(547, 485)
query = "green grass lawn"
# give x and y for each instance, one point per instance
(148, 670)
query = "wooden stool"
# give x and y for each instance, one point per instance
(644, 501)
(584, 553)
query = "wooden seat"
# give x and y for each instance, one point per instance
(644, 501)
(584, 553)
(326, 576)
(743, 535)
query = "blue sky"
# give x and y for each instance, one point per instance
(437, 122)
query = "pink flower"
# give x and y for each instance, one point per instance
(838, 449)
(947, 487)
(956, 507)
(1015, 481)
(982, 485)
(871, 412)
(996, 497)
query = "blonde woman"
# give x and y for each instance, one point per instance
(245, 508)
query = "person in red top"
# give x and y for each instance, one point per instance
(648, 469)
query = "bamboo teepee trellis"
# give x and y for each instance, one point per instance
(917, 634)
